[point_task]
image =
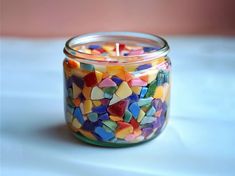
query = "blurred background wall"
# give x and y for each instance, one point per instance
(60, 18)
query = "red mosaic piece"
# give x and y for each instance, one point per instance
(90, 79)
(134, 123)
(118, 108)
(122, 125)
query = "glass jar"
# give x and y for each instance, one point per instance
(117, 87)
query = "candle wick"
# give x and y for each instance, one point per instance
(117, 49)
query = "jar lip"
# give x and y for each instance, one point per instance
(105, 37)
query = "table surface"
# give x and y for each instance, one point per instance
(199, 139)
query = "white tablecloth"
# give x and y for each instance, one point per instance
(199, 139)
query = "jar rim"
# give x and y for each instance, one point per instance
(106, 37)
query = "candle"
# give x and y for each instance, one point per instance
(117, 87)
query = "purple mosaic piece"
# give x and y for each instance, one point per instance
(92, 47)
(117, 80)
(100, 109)
(143, 67)
(156, 123)
(157, 104)
(82, 98)
(164, 108)
(104, 116)
(133, 97)
(105, 101)
(146, 131)
(78, 81)
(90, 126)
(69, 83)
(150, 49)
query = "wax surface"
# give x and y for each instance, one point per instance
(117, 49)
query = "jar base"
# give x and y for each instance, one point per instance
(115, 145)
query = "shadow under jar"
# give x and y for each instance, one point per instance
(117, 87)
